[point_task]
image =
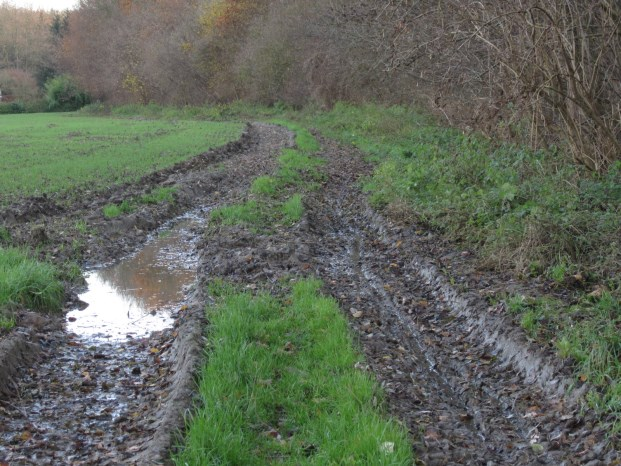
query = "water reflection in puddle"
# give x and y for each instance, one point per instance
(138, 295)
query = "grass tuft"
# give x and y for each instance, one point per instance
(304, 140)
(7, 322)
(116, 210)
(5, 237)
(280, 386)
(293, 209)
(248, 213)
(27, 282)
(264, 186)
(159, 196)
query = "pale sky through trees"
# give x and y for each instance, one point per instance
(44, 4)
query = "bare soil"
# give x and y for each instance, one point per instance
(456, 370)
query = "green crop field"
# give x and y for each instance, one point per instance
(50, 153)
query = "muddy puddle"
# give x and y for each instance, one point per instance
(138, 295)
(91, 401)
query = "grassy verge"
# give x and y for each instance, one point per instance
(49, 153)
(531, 211)
(588, 333)
(26, 282)
(281, 387)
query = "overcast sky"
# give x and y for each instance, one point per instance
(44, 4)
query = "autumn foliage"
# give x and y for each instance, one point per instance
(538, 71)
(26, 52)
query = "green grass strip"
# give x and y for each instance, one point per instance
(157, 196)
(280, 386)
(304, 140)
(298, 169)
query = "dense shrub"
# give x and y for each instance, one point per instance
(63, 94)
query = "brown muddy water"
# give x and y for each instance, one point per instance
(138, 295)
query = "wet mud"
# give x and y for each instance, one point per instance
(456, 371)
(136, 296)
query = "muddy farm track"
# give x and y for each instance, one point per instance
(467, 384)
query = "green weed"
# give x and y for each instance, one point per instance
(280, 385)
(116, 210)
(559, 272)
(297, 168)
(81, 226)
(7, 322)
(304, 140)
(159, 196)
(530, 322)
(296, 160)
(70, 272)
(5, 236)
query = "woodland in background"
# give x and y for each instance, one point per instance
(26, 51)
(546, 72)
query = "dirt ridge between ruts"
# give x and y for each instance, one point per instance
(188, 355)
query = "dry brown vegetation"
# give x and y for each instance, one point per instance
(26, 51)
(538, 71)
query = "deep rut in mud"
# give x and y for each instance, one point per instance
(463, 395)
